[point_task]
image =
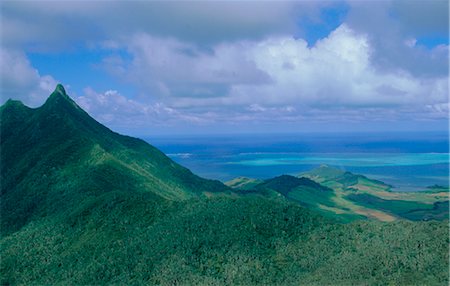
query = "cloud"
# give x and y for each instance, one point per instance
(27, 23)
(110, 107)
(21, 81)
(338, 71)
(169, 67)
(422, 18)
(198, 63)
(439, 110)
(121, 113)
(391, 24)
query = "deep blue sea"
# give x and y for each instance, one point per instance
(408, 161)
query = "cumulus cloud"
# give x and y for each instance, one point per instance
(115, 110)
(21, 81)
(170, 67)
(235, 62)
(27, 22)
(112, 107)
(337, 72)
(391, 24)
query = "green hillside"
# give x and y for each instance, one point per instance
(56, 155)
(82, 205)
(243, 183)
(221, 241)
(377, 200)
(307, 193)
(346, 196)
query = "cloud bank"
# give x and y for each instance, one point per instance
(337, 72)
(216, 64)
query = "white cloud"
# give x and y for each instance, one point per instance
(439, 110)
(170, 67)
(338, 72)
(411, 42)
(21, 81)
(112, 107)
(277, 79)
(119, 112)
(231, 62)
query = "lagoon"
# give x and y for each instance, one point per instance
(407, 161)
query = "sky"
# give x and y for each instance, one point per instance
(217, 67)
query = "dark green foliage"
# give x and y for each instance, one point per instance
(406, 209)
(302, 191)
(55, 155)
(285, 184)
(358, 194)
(437, 188)
(246, 241)
(82, 205)
(439, 211)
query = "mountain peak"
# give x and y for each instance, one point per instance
(13, 102)
(59, 92)
(60, 98)
(13, 106)
(60, 89)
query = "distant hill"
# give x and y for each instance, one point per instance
(346, 196)
(83, 205)
(326, 173)
(375, 199)
(243, 183)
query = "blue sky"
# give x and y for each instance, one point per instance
(145, 68)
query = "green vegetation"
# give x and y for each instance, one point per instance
(306, 193)
(438, 212)
(56, 155)
(243, 241)
(405, 209)
(437, 188)
(82, 205)
(374, 199)
(348, 197)
(243, 183)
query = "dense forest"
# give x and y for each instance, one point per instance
(81, 204)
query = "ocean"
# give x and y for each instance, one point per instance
(407, 161)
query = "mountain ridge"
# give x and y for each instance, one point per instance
(83, 205)
(40, 146)
(346, 196)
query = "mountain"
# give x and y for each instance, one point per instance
(243, 183)
(82, 205)
(300, 190)
(328, 174)
(57, 153)
(377, 200)
(347, 197)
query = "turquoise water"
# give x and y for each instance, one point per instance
(409, 162)
(349, 159)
